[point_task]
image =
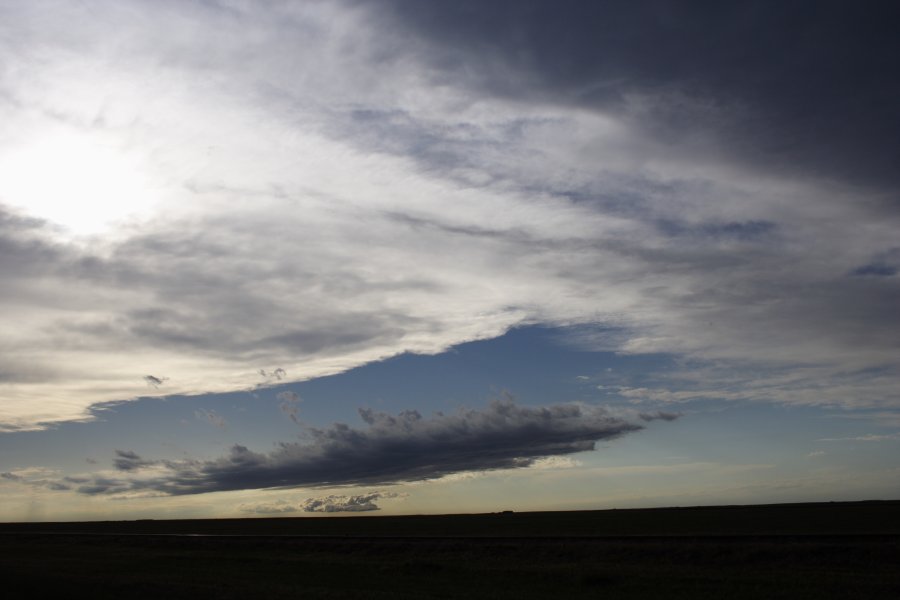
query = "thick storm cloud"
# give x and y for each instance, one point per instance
(789, 85)
(391, 449)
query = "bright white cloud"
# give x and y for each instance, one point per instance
(309, 198)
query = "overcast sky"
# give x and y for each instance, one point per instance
(341, 256)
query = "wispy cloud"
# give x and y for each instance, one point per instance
(289, 405)
(883, 418)
(378, 178)
(659, 415)
(871, 437)
(211, 417)
(37, 478)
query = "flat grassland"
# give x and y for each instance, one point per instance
(822, 550)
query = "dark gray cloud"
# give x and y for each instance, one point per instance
(746, 231)
(659, 415)
(278, 374)
(786, 84)
(24, 248)
(885, 264)
(127, 460)
(193, 300)
(154, 381)
(877, 269)
(391, 449)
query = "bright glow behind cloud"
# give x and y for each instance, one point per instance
(313, 196)
(76, 181)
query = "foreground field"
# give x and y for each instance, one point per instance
(738, 552)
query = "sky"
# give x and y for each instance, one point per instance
(399, 257)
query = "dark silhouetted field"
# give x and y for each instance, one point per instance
(833, 550)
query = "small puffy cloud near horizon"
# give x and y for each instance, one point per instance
(333, 503)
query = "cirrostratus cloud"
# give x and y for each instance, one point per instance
(312, 186)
